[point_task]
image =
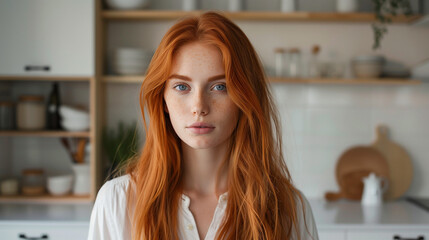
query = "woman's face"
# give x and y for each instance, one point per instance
(200, 109)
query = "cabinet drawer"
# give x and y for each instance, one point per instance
(387, 234)
(332, 235)
(52, 231)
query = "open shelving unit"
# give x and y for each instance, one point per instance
(255, 15)
(356, 81)
(90, 134)
(45, 133)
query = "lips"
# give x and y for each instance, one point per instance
(201, 128)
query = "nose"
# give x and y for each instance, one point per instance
(200, 106)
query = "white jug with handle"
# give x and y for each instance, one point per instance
(374, 187)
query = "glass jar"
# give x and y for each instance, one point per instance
(33, 182)
(279, 55)
(6, 115)
(294, 63)
(30, 114)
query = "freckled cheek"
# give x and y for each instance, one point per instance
(225, 109)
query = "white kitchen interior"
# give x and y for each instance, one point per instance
(320, 121)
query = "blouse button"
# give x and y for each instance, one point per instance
(190, 227)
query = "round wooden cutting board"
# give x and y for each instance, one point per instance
(400, 165)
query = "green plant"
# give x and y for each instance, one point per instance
(384, 11)
(120, 144)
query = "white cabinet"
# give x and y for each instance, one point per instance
(388, 234)
(44, 231)
(47, 37)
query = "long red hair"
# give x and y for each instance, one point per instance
(262, 201)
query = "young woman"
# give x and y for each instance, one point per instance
(212, 164)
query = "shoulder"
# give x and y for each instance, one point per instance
(306, 223)
(110, 218)
(114, 188)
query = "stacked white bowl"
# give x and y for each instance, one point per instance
(73, 119)
(367, 66)
(127, 4)
(60, 185)
(131, 61)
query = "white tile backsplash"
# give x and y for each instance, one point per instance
(320, 122)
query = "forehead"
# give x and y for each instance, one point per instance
(197, 55)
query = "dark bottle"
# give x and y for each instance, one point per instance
(53, 117)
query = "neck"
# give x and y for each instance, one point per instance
(201, 168)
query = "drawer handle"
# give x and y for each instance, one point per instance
(37, 68)
(23, 236)
(397, 237)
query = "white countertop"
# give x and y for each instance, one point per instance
(346, 214)
(58, 213)
(328, 215)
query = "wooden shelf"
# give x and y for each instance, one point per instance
(255, 15)
(45, 133)
(380, 81)
(45, 78)
(123, 79)
(356, 81)
(46, 198)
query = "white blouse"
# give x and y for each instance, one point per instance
(111, 218)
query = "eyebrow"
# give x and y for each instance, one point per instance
(186, 78)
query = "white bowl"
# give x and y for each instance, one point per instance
(75, 124)
(69, 112)
(60, 185)
(127, 4)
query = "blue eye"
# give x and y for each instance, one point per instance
(220, 87)
(181, 87)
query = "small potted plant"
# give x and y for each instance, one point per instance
(384, 10)
(121, 144)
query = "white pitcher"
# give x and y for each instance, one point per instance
(374, 187)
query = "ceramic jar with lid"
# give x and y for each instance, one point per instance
(9, 187)
(33, 182)
(30, 112)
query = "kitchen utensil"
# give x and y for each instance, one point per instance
(400, 165)
(374, 188)
(66, 144)
(354, 164)
(80, 150)
(60, 185)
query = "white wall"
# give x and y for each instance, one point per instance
(319, 121)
